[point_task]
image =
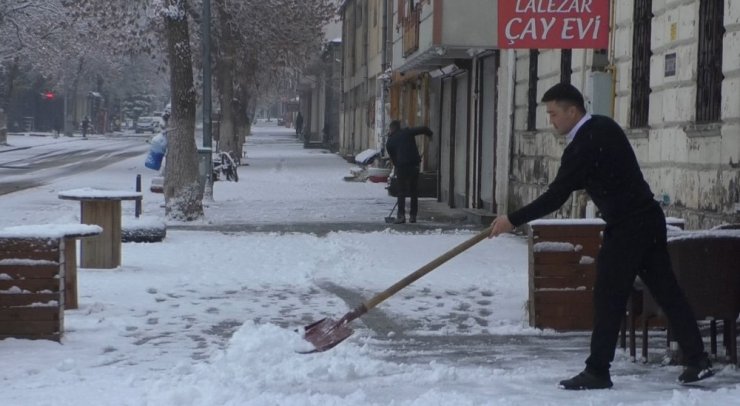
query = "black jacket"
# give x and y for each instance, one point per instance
(401, 146)
(600, 159)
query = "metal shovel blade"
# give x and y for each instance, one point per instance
(326, 333)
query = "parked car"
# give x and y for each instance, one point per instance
(148, 124)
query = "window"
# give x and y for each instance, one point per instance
(532, 95)
(709, 65)
(641, 53)
(566, 65)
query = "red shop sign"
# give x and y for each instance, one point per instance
(547, 24)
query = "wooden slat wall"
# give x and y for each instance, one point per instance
(32, 288)
(561, 282)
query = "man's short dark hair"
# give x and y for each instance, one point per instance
(395, 125)
(565, 93)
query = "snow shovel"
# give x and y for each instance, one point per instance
(390, 219)
(327, 333)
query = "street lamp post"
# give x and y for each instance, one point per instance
(207, 144)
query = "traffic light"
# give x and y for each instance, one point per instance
(49, 96)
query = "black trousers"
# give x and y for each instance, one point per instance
(408, 179)
(637, 246)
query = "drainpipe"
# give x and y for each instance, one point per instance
(384, 82)
(365, 32)
(612, 67)
(511, 89)
(343, 147)
(574, 212)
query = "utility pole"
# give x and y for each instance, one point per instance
(67, 130)
(207, 144)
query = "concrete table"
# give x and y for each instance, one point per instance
(101, 207)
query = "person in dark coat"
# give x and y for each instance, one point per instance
(599, 158)
(85, 126)
(404, 154)
(299, 124)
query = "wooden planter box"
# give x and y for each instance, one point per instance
(562, 271)
(32, 288)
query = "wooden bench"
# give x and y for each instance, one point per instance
(32, 279)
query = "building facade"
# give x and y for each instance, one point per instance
(365, 60)
(445, 68)
(670, 77)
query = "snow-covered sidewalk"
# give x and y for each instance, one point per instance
(208, 318)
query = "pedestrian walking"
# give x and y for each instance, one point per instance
(299, 124)
(599, 158)
(404, 154)
(85, 126)
(57, 128)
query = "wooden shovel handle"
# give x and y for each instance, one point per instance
(377, 299)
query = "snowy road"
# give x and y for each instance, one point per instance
(34, 162)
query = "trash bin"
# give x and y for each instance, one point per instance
(157, 149)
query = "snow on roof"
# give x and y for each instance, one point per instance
(50, 231)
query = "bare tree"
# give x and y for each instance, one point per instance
(23, 24)
(149, 27)
(39, 36)
(262, 44)
(184, 197)
(259, 43)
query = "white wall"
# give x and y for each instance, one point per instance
(697, 171)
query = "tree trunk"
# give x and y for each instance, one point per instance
(243, 119)
(225, 73)
(227, 139)
(7, 76)
(3, 127)
(71, 113)
(241, 125)
(182, 191)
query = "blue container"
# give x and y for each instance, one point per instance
(154, 160)
(156, 152)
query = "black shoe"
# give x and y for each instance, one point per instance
(695, 373)
(412, 219)
(400, 220)
(586, 380)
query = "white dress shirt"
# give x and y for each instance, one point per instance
(572, 133)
